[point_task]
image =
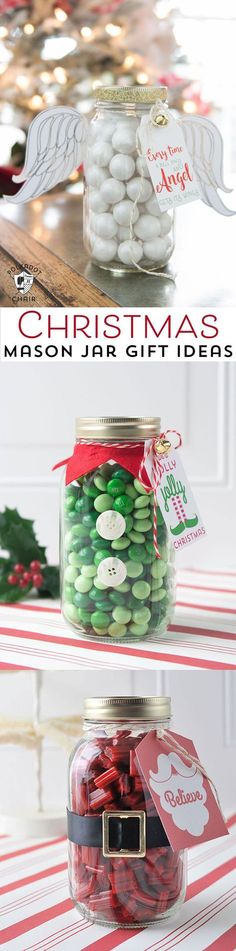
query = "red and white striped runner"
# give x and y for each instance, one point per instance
(33, 634)
(36, 913)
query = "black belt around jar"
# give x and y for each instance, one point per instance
(128, 833)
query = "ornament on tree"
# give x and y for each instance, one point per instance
(58, 52)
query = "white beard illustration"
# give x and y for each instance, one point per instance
(181, 794)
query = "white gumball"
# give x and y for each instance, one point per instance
(166, 223)
(104, 250)
(123, 233)
(125, 213)
(105, 225)
(147, 227)
(112, 191)
(122, 167)
(142, 168)
(124, 139)
(104, 129)
(155, 250)
(95, 176)
(130, 252)
(153, 207)
(139, 189)
(96, 202)
(102, 153)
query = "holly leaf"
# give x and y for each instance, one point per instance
(11, 593)
(17, 536)
(51, 586)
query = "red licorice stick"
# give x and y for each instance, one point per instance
(144, 897)
(86, 889)
(99, 798)
(122, 878)
(90, 856)
(101, 901)
(124, 784)
(133, 767)
(82, 799)
(115, 755)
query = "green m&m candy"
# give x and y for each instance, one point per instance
(123, 504)
(108, 517)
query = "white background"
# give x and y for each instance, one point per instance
(203, 704)
(39, 406)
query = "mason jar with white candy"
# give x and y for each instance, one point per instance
(123, 226)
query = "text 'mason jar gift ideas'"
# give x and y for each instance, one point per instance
(138, 798)
(117, 533)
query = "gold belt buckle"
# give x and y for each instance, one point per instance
(107, 851)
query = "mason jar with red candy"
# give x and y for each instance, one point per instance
(122, 869)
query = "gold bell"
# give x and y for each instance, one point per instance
(162, 446)
(160, 119)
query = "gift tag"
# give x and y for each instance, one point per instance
(112, 572)
(168, 160)
(182, 795)
(175, 499)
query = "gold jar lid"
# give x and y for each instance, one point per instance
(127, 708)
(130, 94)
(117, 427)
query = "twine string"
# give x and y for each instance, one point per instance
(151, 450)
(171, 742)
(165, 276)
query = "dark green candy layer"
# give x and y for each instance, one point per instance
(139, 606)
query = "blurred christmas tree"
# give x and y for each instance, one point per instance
(60, 51)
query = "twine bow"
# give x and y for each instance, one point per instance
(63, 731)
(155, 449)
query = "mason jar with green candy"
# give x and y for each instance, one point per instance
(114, 583)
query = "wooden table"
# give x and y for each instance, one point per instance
(47, 233)
(57, 283)
(37, 913)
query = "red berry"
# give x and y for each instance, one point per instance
(23, 583)
(37, 580)
(27, 576)
(19, 569)
(35, 565)
(12, 579)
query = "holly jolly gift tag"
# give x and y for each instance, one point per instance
(174, 494)
(180, 789)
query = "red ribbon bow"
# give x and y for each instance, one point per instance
(132, 456)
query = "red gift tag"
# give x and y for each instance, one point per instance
(182, 795)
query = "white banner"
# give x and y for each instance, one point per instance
(153, 334)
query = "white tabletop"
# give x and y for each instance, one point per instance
(33, 634)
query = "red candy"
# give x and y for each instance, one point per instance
(121, 890)
(107, 778)
(100, 798)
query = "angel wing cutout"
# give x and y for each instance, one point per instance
(54, 149)
(205, 146)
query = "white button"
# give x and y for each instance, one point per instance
(110, 524)
(112, 571)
